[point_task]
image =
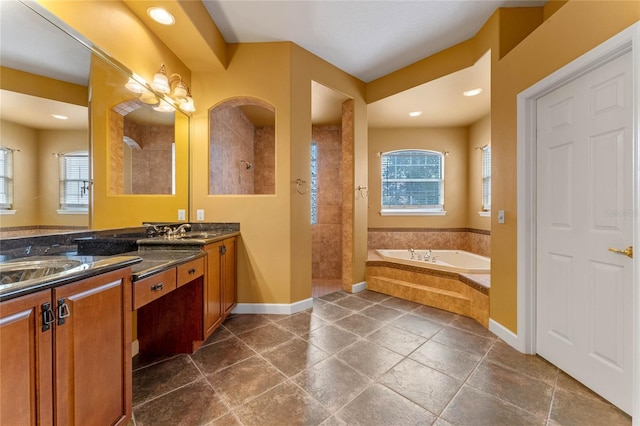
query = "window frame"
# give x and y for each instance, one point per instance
(409, 209)
(67, 207)
(486, 177)
(6, 178)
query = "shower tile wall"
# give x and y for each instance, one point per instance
(347, 195)
(472, 240)
(232, 140)
(265, 160)
(152, 164)
(116, 154)
(327, 233)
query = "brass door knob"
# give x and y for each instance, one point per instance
(628, 251)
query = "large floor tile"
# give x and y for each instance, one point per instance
(381, 313)
(425, 386)
(285, 404)
(194, 404)
(523, 391)
(530, 365)
(464, 341)
(240, 323)
(302, 323)
(245, 380)
(397, 340)
(332, 382)
(472, 326)
(330, 338)
(157, 379)
(417, 325)
(329, 311)
(369, 358)
(220, 355)
(353, 303)
(571, 408)
(457, 364)
(294, 356)
(265, 338)
(371, 296)
(435, 314)
(332, 297)
(400, 304)
(359, 324)
(380, 406)
(473, 407)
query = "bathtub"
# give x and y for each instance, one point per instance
(446, 260)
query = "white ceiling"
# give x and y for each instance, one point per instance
(371, 38)
(365, 38)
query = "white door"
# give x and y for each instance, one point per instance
(584, 207)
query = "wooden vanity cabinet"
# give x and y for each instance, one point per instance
(220, 287)
(65, 354)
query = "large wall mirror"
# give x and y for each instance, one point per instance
(112, 150)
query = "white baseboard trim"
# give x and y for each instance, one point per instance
(355, 288)
(273, 308)
(135, 348)
(507, 335)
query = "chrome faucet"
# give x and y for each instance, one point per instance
(413, 253)
(182, 229)
(427, 255)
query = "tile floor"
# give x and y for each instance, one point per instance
(362, 359)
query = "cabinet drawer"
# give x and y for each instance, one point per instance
(189, 271)
(149, 289)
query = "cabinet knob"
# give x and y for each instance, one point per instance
(192, 271)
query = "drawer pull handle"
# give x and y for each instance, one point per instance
(157, 287)
(192, 271)
(48, 317)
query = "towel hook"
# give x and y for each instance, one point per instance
(301, 186)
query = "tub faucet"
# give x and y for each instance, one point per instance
(413, 253)
(427, 255)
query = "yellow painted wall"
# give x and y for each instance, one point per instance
(571, 31)
(25, 173)
(479, 135)
(264, 264)
(451, 139)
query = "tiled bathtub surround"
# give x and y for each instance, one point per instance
(362, 359)
(476, 241)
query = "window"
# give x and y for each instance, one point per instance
(74, 181)
(6, 178)
(412, 182)
(486, 177)
(314, 183)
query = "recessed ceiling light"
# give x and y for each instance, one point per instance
(60, 117)
(472, 92)
(161, 16)
(415, 113)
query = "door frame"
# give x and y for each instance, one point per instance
(525, 340)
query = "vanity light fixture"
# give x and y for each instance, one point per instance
(134, 86)
(415, 113)
(472, 92)
(60, 117)
(164, 106)
(161, 16)
(173, 86)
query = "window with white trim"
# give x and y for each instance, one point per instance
(6, 178)
(412, 182)
(74, 181)
(486, 177)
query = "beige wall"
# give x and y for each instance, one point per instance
(453, 140)
(36, 174)
(479, 136)
(25, 173)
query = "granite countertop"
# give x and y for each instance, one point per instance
(66, 269)
(189, 239)
(154, 261)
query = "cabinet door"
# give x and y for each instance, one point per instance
(93, 350)
(229, 296)
(26, 394)
(212, 291)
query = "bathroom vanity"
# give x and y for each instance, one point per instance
(66, 336)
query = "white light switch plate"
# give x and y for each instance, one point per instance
(181, 214)
(500, 216)
(200, 214)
